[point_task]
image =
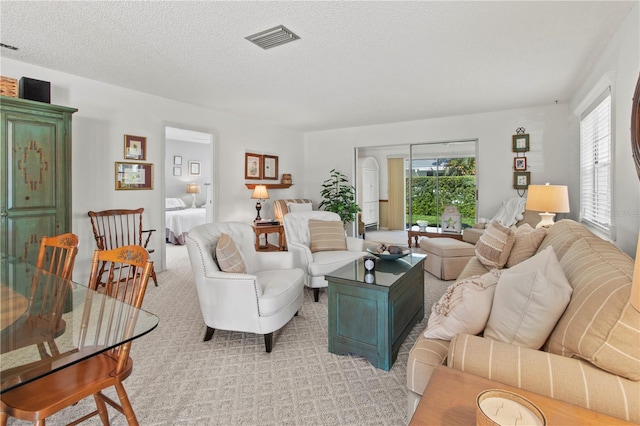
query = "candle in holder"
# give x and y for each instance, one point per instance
(499, 407)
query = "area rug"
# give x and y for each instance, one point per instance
(230, 380)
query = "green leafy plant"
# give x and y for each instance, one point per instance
(339, 196)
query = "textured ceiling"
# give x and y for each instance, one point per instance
(357, 63)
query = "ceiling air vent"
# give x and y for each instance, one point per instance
(273, 37)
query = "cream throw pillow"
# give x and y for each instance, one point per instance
(463, 308)
(327, 235)
(529, 300)
(299, 207)
(228, 257)
(526, 243)
(494, 245)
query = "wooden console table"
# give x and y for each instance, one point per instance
(266, 230)
(450, 399)
(431, 233)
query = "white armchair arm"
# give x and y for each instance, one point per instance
(301, 255)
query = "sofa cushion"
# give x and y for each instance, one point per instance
(599, 325)
(526, 243)
(327, 235)
(228, 256)
(528, 301)
(463, 308)
(494, 245)
(562, 234)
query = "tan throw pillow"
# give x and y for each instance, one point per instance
(526, 243)
(327, 235)
(463, 308)
(228, 257)
(494, 245)
(528, 301)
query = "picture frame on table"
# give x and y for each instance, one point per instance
(252, 166)
(177, 160)
(520, 163)
(133, 176)
(194, 168)
(270, 167)
(135, 147)
(520, 143)
(521, 180)
(177, 171)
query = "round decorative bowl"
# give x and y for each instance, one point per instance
(497, 407)
(389, 256)
(422, 224)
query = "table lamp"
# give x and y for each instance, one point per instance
(635, 286)
(548, 200)
(259, 193)
(193, 189)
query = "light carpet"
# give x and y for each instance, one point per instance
(230, 380)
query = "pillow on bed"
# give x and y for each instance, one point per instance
(174, 204)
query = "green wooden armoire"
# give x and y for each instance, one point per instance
(35, 180)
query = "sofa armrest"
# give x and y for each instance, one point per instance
(567, 379)
(355, 244)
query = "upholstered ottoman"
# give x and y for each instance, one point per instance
(446, 256)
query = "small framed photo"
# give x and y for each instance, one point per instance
(252, 166)
(520, 163)
(520, 143)
(194, 168)
(269, 167)
(177, 171)
(521, 180)
(177, 160)
(135, 147)
(134, 176)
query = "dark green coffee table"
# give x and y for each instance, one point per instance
(372, 320)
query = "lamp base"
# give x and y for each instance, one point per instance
(546, 220)
(193, 201)
(258, 208)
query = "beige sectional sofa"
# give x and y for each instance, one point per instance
(592, 356)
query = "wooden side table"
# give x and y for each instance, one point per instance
(450, 399)
(266, 230)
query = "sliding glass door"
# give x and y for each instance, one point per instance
(439, 175)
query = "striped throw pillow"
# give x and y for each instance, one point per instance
(494, 245)
(228, 257)
(526, 243)
(327, 235)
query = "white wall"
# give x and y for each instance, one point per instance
(621, 61)
(547, 159)
(106, 113)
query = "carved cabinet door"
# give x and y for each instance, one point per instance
(36, 175)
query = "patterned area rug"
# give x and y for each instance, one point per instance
(230, 380)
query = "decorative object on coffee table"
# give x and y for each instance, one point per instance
(500, 407)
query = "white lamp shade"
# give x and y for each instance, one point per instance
(548, 198)
(193, 188)
(260, 193)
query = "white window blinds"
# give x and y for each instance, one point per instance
(595, 164)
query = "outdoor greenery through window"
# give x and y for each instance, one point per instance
(595, 164)
(434, 183)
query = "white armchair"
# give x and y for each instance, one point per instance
(261, 301)
(317, 265)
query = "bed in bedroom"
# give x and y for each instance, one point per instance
(180, 219)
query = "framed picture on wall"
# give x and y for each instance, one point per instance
(135, 147)
(520, 163)
(520, 143)
(177, 171)
(134, 176)
(270, 167)
(521, 180)
(194, 168)
(252, 166)
(177, 160)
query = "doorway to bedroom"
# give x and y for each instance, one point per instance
(188, 182)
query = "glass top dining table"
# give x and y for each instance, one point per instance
(91, 323)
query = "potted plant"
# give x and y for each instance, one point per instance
(339, 196)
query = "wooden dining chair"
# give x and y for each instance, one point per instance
(42, 321)
(120, 227)
(128, 270)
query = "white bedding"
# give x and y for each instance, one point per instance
(179, 222)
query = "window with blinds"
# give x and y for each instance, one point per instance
(595, 164)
